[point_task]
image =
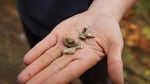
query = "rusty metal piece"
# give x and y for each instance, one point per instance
(85, 33)
(84, 30)
(69, 50)
(89, 35)
(82, 36)
(69, 42)
(71, 45)
(72, 50)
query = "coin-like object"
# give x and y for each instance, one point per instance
(69, 42)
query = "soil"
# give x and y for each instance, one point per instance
(14, 45)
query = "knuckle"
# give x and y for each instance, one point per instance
(49, 55)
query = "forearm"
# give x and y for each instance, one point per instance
(112, 8)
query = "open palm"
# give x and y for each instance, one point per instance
(48, 65)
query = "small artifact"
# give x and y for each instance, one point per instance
(69, 50)
(89, 35)
(82, 36)
(85, 33)
(84, 30)
(72, 50)
(80, 46)
(69, 42)
(71, 45)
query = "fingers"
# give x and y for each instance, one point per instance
(39, 64)
(73, 70)
(53, 68)
(42, 46)
(115, 66)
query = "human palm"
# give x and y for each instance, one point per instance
(48, 65)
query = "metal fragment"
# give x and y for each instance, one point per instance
(69, 50)
(80, 46)
(84, 30)
(82, 36)
(89, 35)
(85, 33)
(69, 42)
(73, 49)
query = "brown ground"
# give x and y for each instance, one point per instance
(13, 46)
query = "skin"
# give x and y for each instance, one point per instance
(47, 64)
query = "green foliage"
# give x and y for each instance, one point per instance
(125, 72)
(147, 72)
(146, 32)
(143, 6)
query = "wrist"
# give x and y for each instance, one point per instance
(95, 17)
(112, 8)
(103, 15)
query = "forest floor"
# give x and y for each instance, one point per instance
(136, 54)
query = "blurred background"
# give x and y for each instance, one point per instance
(135, 29)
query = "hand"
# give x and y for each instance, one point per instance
(47, 64)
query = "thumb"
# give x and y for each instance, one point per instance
(115, 65)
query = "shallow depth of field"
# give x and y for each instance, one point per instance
(135, 28)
